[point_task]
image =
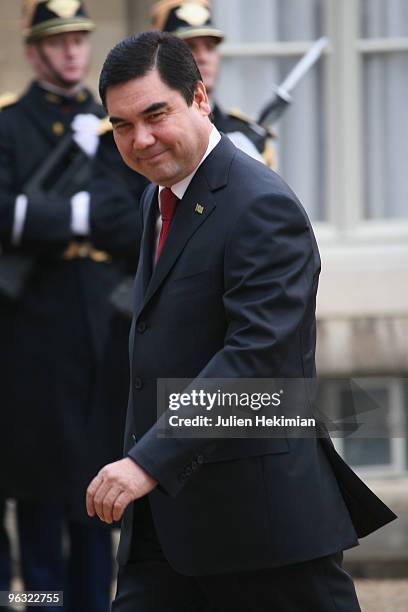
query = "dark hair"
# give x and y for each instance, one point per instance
(135, 56)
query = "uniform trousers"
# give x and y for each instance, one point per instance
(149, 584)
(84, 574)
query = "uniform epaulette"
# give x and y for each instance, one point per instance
(269, 130)
(7, 99)
(104, 126)
(236, 113)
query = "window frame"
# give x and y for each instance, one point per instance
(345, 219)
(352, 246)
(398, 465)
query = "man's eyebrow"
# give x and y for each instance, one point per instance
(115, 120)
(154, 107)
(150, 109)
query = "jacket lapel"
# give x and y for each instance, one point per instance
(192, 211)
(145, 267)
(186, 221)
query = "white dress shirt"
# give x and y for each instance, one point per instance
(180, 188)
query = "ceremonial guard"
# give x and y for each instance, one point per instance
(69, 235)
(191, 21)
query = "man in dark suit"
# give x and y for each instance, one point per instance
(225, 288)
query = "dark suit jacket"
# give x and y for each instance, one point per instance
(233, 295)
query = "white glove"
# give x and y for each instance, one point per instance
(247, 146)
(85, 128)
(20, 211)
(80, 204)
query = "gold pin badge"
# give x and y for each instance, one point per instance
(52, 98)
(199, 209)
(58, 128)
(82, 96)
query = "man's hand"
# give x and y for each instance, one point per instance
(115, 486)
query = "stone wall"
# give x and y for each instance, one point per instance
(363, 345)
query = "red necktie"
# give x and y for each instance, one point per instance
(168, 203)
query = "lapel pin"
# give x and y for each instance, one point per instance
(199, 209)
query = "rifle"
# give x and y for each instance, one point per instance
(64, 172)
(282, 98)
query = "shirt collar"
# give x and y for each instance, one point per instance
(59, 91)
(180, 188)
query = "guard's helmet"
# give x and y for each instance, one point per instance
(45, 17)
(185, 19)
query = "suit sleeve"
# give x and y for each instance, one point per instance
(270, 277)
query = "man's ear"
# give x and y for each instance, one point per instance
(31, 55)
(201, 99)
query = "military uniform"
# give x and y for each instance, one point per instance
(64, 362)
(54, 361)
(260, 136)
(64, 348)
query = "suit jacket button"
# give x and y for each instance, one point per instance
(138, 383)
(134, 437)
(141, 327)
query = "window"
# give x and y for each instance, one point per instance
(379, 445)
(265, 38)
(384, 32)
(343, 143)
